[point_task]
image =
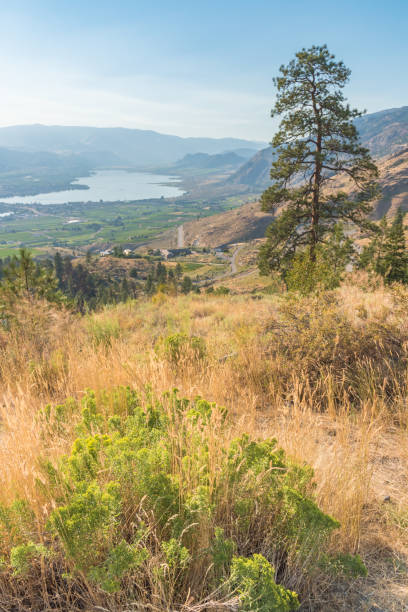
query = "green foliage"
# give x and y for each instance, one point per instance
(221, 290)
(179, 346)
(387, 254)
(326, 271)
(90, 515)
(23, 278)
(222, 550)
(176, 555)
(316, 138)
(187, 284)
(17, 522)
(255, 584)
(351, 566)
(22, 556)
(143, 502)
(121, 559)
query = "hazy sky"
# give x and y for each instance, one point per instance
(192, 68)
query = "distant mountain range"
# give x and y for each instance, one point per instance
(116, 146)
(39, 158)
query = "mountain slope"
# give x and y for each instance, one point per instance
(203, 161)
(383, 133)
(248, 222)
(29, 173)
(137, 147)
(237, 225)
(255, 172)
(393, 182)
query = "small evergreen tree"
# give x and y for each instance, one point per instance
(22, 277)
(186, 285)
(59, 269)
(161, 273)
(386, 254)
(395, 252)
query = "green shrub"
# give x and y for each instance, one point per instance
(254, 582)
(144, 503)
(177, 346)
(221, 290)
(22, 556)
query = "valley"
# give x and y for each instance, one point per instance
(224, 186)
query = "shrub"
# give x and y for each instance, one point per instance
(179, 347)
(151, 497)
(254, 581)
(103, 332)
(22, 556)
(221, 290)
(338, 356)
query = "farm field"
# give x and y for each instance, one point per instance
(80, 226)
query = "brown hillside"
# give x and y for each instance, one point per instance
(238, 225)
(248, 222)
(393, 181)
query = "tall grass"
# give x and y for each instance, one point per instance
(326, 376)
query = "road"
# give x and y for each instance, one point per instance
(234, 259)
(180, 237)
(233, 265)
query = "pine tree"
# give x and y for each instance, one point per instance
(187, 284)
(316, 139)
(386, 254)
(395, 252)
(161, 273)
(59, 269)
(23, 278)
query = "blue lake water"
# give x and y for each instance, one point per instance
(108, 186)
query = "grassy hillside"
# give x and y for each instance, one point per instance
(326, 376)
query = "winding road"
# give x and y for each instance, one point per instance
(233, 264)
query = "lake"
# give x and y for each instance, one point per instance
(109, 186)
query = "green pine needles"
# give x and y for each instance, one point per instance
(386, 254)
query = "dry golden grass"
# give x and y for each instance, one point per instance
(326, 376)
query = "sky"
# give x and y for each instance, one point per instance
(191, 68)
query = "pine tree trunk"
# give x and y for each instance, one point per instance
(316, 181)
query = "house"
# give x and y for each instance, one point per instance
(166, 253)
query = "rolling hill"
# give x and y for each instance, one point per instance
(139, 148)
(27, 172)
(238, 225)
(204, 161)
